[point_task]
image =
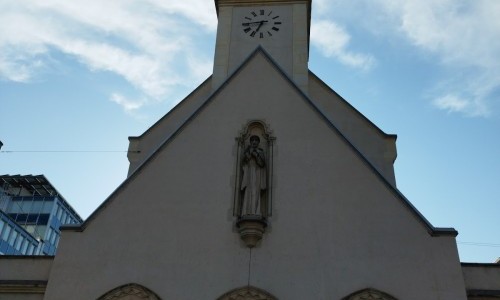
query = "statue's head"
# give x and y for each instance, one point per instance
(254, 141)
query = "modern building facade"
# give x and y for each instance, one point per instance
(14, 239)
(32, 211)
(262, 184)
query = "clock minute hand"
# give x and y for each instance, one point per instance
(249, 23)
(253, 23)
(260, 25)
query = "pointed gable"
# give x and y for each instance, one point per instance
(254, 64)
(334, 214)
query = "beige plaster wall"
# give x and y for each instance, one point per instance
(376, 146)
(150, 140)
(288, 46)
(280, 45)
(25, 268)
(335, 227)
(222, 45)
(301, 46)
(482, 276)
(20, 272)
(16, 296)
(380, 149)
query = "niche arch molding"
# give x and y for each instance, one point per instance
(369, 294)
(131, 291)
(247, 293)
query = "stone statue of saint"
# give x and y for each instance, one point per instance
(254, 177)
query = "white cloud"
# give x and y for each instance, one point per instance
(463, 35)
(452, 103)
(128, 105)
(333, 41)
(199, 66)
(153, 43)
(201, 12)
(458, 31)
(469, 106)
(18, 66)
(141, 41)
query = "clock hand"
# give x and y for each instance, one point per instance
(260, 25)
(253, 23)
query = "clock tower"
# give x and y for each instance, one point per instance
(280, 27)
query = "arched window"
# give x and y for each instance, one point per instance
(130, 291)
(247, 293)
(369, 294)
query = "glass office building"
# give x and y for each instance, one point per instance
(14, 239)
(32, 211)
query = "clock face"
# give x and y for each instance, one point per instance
(261, 23)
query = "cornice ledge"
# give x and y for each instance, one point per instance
(23, 286)
(258, 2)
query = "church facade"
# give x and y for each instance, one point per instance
(263, 183)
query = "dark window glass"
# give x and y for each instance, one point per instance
(43, 219)
(32, 218)
(21, 218)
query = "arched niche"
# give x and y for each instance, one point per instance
(369, 294)
(247, 293)
(262, 131)
(131, 291)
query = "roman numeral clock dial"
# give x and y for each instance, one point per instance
(261, 23)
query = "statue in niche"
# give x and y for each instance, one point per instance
(254, 181)
(253, 188)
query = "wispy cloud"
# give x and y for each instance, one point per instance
(141, 41)
(333, 41)
(463, 35)
(460, 36)
(452, 103)
(18, 65)
(129, 105)
(153, 43)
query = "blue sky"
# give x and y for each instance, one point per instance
(82, 76)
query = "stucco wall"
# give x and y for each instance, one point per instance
(288, 45)
(375, 145)
(9, 296)
(24, 277)
(482, 281)
(336, 226)
(25, 267)
(150, 140)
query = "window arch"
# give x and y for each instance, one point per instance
(131, 291)
(369, 294)
(247, 293)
